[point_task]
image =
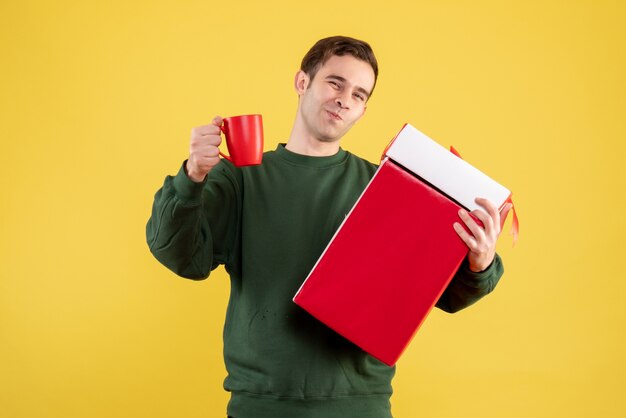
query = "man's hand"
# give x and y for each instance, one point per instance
(482, 240)
(203, 151)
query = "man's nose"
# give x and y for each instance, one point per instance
(341, 101)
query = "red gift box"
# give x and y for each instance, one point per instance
(396, 251)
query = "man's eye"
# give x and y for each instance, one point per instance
(359, 96)
(334, 84)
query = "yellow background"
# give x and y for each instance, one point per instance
(97, 100)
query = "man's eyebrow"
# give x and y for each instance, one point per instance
(343, 80)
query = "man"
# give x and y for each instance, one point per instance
(268, 224)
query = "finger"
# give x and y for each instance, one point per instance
(206, 130)
(200, 142)
(211, 152)
(212, 140)
(505, 212)
(217, 121)
(485, 219)
(477, 231)
(467, 238)
(207, 161)
(491, 209)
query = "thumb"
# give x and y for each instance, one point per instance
(217, 121)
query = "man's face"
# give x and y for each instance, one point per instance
(336, 97)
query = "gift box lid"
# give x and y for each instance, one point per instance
(445, 171)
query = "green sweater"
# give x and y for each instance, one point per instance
(268, 225)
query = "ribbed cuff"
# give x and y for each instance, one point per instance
(186, 189)
(475, 279)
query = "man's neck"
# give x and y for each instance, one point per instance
(301, 142)
(313, 149)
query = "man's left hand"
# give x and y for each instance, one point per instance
(481, 241)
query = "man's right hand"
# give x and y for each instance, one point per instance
(203, 151)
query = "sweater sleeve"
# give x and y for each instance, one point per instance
(194, 226)
(467, 287)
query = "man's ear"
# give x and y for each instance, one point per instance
(301, 82)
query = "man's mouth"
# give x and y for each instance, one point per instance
(334, 115)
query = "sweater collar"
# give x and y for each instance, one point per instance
(309, 161)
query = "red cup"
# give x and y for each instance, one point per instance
(244, 139)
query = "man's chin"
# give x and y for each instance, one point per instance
(328, 140)
(329, 137)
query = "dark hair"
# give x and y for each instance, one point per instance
(325, 48)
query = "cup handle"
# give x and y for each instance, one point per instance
(221, 153)
(226, 156)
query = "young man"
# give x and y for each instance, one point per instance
(268, 224)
